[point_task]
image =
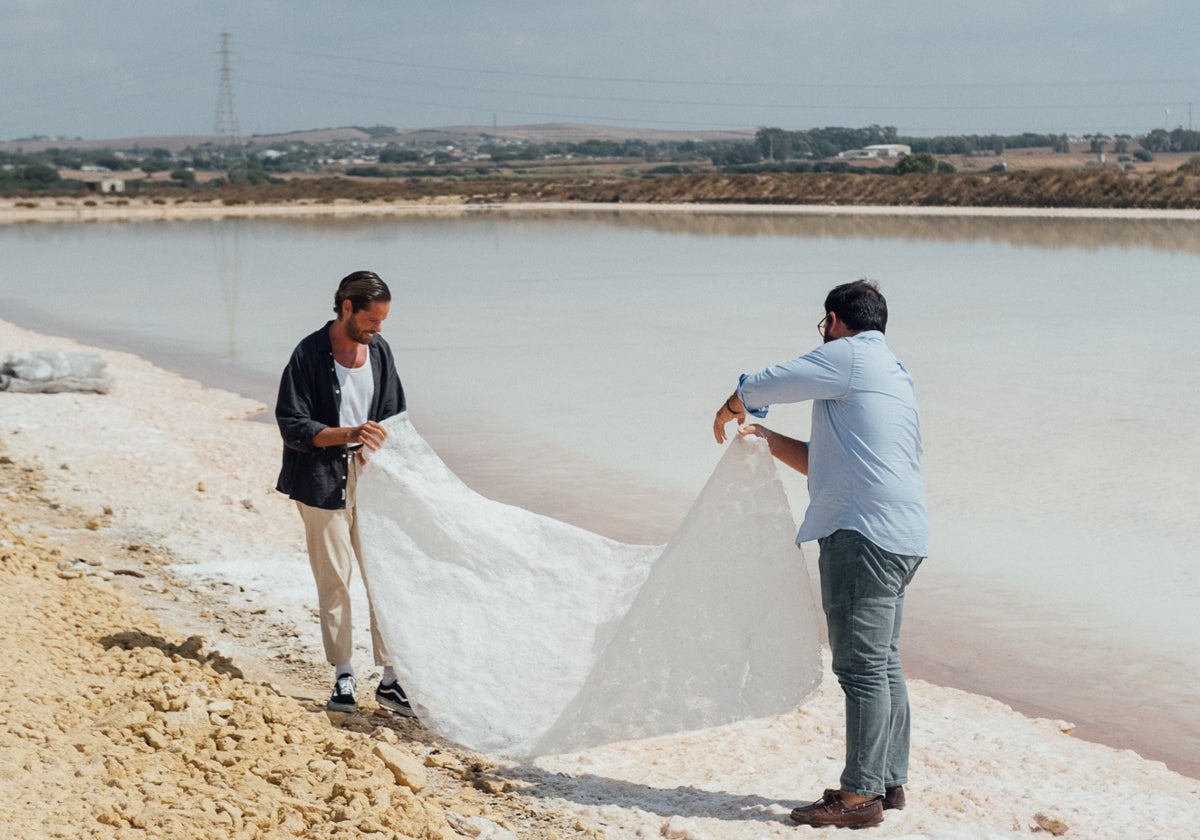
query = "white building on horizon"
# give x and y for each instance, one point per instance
(880, 150)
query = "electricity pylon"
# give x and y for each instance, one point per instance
(226, 126)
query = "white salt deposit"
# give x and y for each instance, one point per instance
(53, 372)
(518, 634)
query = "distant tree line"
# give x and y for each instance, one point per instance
(687, 150)
(972, 144)
(39, 170)
(771, 149)
(779, 145)
(769, 146)
(1179, 140)
(29, 177)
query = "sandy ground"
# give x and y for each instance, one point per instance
(167, 678)
(118, 725)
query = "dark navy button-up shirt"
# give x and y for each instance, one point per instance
(310, 400)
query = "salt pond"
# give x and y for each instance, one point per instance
(1057, 375)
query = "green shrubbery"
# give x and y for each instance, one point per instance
(922, 162)
(32, 176)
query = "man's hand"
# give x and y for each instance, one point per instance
(731, 409)
(756, 430)
(788, 450)
(369, 434)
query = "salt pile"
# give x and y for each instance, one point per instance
(53, 372)
(518, 635)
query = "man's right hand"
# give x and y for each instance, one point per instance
(731, 409)
(369, 434)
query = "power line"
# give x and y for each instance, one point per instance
(739, 105)
(573, 99)
(873, 85)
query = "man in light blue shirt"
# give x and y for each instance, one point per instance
(867, 512)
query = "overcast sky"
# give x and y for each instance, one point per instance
(122, 68)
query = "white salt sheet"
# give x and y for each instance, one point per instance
(519, 635)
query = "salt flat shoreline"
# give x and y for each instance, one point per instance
(14, 211)
(163, 462)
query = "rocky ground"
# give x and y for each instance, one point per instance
(116, 726)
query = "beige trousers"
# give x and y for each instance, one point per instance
(333, 551)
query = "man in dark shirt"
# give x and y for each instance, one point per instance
(339, 384)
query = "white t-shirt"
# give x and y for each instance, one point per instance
(358, 387)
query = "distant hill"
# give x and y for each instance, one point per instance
(450, 135)
(178, 142)
(118, 144)
(569, 133)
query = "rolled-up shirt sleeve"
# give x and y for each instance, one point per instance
(293, 408)
(823, 374)
(760, 411)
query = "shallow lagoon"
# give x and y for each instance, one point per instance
(1055, 363)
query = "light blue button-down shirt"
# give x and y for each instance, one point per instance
(864, 458)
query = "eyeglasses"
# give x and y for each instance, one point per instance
(822, 325)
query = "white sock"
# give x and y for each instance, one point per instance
(389, 676)
(343, 668)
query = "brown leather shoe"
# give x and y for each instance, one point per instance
(893, 798)
(831, 810)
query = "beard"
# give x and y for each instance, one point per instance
(356, 334)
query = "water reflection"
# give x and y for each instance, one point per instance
(1167, 235)
(1160, 234)
(227, 246)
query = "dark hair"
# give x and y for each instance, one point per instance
(858, 305)
(361, 288)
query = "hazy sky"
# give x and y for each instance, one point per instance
(120, 68)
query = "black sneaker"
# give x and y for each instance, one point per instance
(342, 698)
(391, 697)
